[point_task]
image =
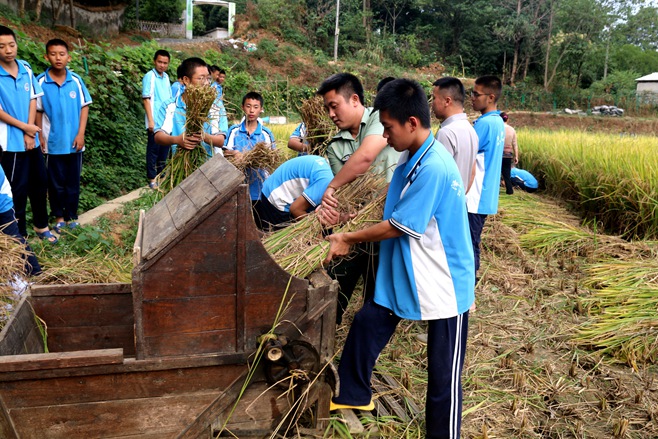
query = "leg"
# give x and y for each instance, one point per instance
(446, 348)
(506, 170)
(476, 223)
(16, 169)
(56, 185)
(371, 329)
(163, 155)
(38, 189)
(151, 156)
(73, 171)
(32, 267)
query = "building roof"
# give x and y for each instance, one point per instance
(653, 77)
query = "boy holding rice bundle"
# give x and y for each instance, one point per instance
(62, 114)
(426, 269)
(244, 136)
(170, 123)
(291, 191)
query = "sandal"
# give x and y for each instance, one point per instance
(74, 225)
(47, 235)
(59, 226)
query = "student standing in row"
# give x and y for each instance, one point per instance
(482, 198)
(426, 269)
(22, 161)
(62, 114)
(156, 89)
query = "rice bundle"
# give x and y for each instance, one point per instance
(198, 100)
(12, 264)
(261, 156)
(300, 248)
(319, 127)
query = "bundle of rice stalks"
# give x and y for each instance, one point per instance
(95, 267)
(199, 101)
(261, 156)
(12, 264)
(319, 128)
(300, 248)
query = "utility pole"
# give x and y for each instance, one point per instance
(337, 31)
(137, 11)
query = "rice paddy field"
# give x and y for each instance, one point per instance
(564, 340)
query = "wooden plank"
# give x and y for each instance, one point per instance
(12, 363)
(192, 314)
(199, 190)
(7, 430)
(189, 283)
(137, 246)
(37, 291)
(191, 343)
(110, 418)
(64, 339)
(20, 334)
(59, 391)
(352, 421)
(222, 175)
(222, 402)
(181, 208)
(85, 310)
(159, 229)
(241, 267)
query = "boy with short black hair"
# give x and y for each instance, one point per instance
(177, 87)
(63, 111)
(170, 120)
(426, 269)
(156, 89)
(244, 136)
(482, 198)
(23, 160)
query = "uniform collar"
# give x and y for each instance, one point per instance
(155, 72)
(414, 161)
(50, 79)
(345, 134)
(490, 113)
(243, 126)
(21, 70)
(454, 118)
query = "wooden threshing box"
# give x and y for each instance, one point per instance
(167, 356)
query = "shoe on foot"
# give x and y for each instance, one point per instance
(74, 225)
(59, 226)
(48, 236)
(335, 406)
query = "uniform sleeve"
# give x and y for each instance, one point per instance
(147, 86)
(270, 135)
(298, 132)
(164, 118)
(85, 97)
(334, 161)
(373, 126)
(315, 190)
(482, 129)
(412, 213)
(37, 91)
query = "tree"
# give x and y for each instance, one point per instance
(164, 11)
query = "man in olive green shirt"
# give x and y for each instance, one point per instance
(358, 145)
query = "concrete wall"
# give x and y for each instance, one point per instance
(97, 21)
(643, 87)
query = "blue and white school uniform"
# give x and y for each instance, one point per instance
(482, 198)
(176, 89)
(307, 176)
(61, 107)
(426, 273)
(239, 139)
(25, 170)
(300, 132)
(156, 88)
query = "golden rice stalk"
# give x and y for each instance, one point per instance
(320, 129)
(301, 248)
(198, 102)
(261, 156)
(12, 264)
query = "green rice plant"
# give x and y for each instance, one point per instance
(610, 179)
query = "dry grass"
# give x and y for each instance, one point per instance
(261, 156)
(12, 264)
(320, 128)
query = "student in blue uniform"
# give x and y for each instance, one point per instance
(297, 141)
(426, 269)
(292, 190)
(482, 197)
(245, 135)
(62, 114)
(9, 224)
(156, 89)
(177, 87)
(524, 180)
(22, 161)
(170, 120)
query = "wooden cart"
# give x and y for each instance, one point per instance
(167, 356)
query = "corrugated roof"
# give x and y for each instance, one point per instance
(649, 78)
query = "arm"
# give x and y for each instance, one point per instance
(470, 183)
(297, 144)
(340, 243)
(39, 122)
(516, 149)
(149, 114)
(30, 129)
(185, 142)
(79, 141)
(216, 140)
(357, 165)
(299, 207)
